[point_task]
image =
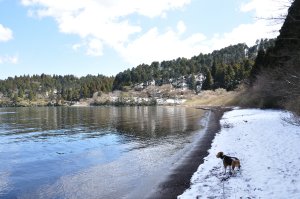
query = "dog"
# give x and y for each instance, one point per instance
(232, 162)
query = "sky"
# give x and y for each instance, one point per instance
(82, 37)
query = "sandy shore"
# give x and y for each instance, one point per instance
(179, 179)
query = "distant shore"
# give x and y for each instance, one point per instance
(219, 97)
(179, 179)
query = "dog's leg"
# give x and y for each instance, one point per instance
(233, 166)
(225, 167)
(236, 164)
(239, 165)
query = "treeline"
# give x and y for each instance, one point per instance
(66, 87)
(224, 68)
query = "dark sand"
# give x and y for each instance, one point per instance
(179, 179)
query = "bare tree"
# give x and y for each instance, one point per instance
(283, 9)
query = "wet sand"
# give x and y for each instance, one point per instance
(179, 179)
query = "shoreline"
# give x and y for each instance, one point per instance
(179, 178)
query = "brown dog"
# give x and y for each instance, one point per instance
(232, 162)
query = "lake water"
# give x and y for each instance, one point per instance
(91, 152)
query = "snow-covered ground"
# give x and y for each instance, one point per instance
(269, 150)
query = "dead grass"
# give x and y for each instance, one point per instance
(219, 97)
(37, 102)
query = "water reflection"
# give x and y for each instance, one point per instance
(143, 122)
(50, 152)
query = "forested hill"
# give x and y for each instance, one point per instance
(223, 68)
(66, 87)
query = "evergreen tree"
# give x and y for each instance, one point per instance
(229, 79)
(208, 82)
(15, 98)
(192, 83)
(258, 65)
(219, 79)
(31, 95)
(21, 93)
(214, 69)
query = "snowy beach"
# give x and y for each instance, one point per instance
(268, 148)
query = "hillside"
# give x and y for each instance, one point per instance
(225, 68)
(276, 82)
(46, 89)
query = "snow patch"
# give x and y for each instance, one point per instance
(269, 150)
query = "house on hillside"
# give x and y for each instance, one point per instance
(180, 82)
(199, 79)
(139, 87)
(151, 83)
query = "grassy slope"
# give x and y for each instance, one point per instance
(219, 97)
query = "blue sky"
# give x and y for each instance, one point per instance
(83, 37)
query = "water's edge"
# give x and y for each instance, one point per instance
(93, 152)
(178, 179)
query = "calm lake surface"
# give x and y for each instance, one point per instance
(91, 152)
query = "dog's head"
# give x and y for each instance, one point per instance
(220, 154)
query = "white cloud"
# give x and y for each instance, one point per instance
(244, 33)
(261, 27)
(155, 46)
(95, 48)
(102, 23)
(103, 20)
(181, 27)
(7, 59)
(76, 46)
(5, 33)
(266, 8)
(113, 8)
(169, 45)
(92, 47)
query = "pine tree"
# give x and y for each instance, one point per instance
(208, 82)
(31, 95)
(15, 98)
(214, 69)
(21, 93)
(192, 84)
(258, 65)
